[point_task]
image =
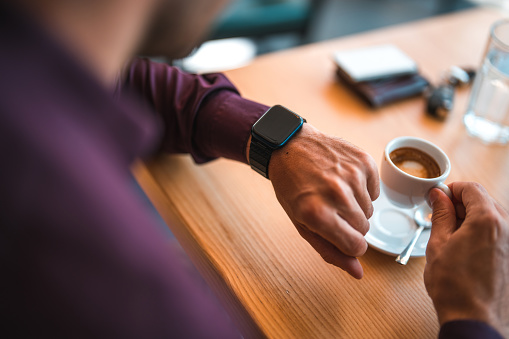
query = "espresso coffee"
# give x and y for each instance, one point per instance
(415, 162)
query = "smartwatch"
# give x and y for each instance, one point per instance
(270, 132)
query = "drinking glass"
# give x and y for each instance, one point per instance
(487, 115)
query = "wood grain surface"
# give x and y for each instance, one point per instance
(229, 222)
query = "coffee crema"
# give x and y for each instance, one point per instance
(415, 162)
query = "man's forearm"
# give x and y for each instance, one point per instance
(203, 115)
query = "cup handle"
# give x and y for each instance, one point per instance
(444, 188)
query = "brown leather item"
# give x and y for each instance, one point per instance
(377, 93)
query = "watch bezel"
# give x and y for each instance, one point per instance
(266, 139)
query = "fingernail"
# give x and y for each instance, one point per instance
(433, 196)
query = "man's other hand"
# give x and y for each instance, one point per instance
(326, 186)
(467, 270)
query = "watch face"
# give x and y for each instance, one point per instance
(277, 125)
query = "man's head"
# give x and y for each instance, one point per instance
(178, 26)
(106, 33)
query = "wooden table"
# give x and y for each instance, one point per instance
(229, 222)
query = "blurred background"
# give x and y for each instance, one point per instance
(253, 27)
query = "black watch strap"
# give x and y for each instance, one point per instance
(272, 131)
(259, 157)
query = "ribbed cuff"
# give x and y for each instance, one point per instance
(468, 329)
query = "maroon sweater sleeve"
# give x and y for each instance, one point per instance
(203, 115)
(80, 256)
(468, 329)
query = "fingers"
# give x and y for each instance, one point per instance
(372, 178)
(460, 210)
(351, 213)
(353, 203)
(477, 208)
(358, 186)
(501, 210)
(473, 209)
(331, 254)
(325, 222)
(443, 220)
(364, 202)
(472, 196)
(351, 191)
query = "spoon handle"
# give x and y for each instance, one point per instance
(405, 255)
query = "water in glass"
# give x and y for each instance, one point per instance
(487, 116)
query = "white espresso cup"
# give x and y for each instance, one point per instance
(408, 191)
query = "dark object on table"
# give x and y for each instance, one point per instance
(381, 92)
(440, 99)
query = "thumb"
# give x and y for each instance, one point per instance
(443, 220)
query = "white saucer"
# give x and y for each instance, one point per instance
(392, 228)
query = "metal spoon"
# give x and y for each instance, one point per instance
(422, 218)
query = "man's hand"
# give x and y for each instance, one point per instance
(326, 186)
(467, 270)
